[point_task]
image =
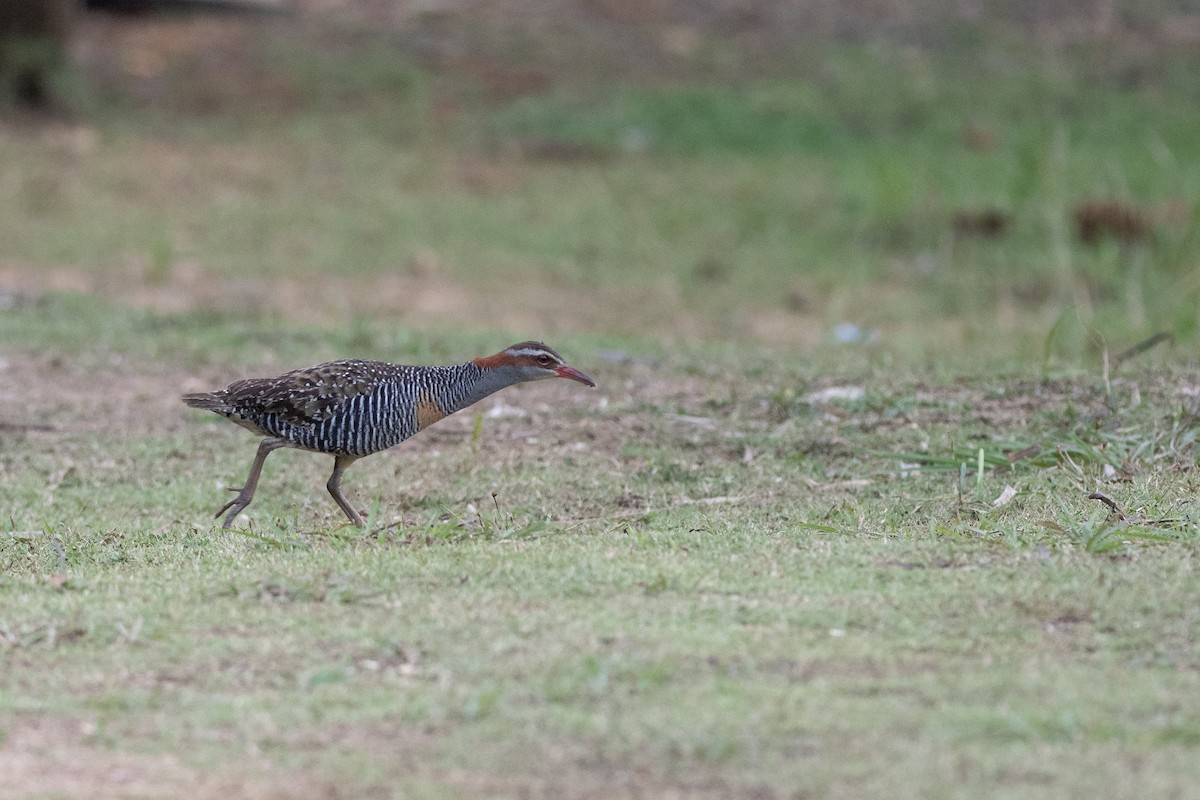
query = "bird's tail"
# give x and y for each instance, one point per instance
(205, 400)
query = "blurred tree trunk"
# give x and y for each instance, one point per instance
(33, 39)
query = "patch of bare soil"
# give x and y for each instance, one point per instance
(195, 63)
(72, 399)
(567, 770)
(47, 757)
(422, 297)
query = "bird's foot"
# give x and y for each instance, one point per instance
(234, 507)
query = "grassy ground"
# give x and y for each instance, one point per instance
(754, 562)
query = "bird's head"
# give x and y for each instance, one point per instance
(533, 361)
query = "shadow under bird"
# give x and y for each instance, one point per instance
(353, 408)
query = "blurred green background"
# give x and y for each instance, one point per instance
(924, 179)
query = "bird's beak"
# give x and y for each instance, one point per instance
(570, 372)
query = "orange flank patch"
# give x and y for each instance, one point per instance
(428, 412)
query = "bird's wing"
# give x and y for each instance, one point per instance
(306, 396)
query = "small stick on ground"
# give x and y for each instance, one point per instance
(1142, 347)
(1103, 498)
(1032, 450)
(61, 553)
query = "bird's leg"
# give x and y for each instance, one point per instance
(246, 493)
(335, 488)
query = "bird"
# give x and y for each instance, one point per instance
(353, 408)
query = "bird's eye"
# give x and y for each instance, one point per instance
(545, 360)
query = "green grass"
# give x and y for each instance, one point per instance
(727, 589)
(703, 578)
